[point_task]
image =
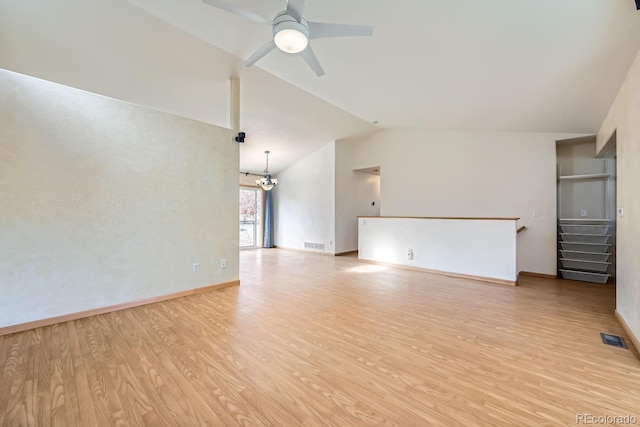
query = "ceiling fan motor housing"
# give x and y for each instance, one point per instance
(288, 32)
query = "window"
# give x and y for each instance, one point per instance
(250, 218)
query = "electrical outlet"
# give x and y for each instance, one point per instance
(583, 212)
(223, 263)
(410, 254)
(196, 267)
(536, 213)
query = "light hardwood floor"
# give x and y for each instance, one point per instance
(328, 341)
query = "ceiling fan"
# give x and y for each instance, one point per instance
(291, 32)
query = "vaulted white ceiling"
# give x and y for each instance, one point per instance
(510, 65)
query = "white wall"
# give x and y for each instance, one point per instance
(481, 248)
(456, 173)
(105, 202)
(355, 191)
(304, 201)
(624, 119)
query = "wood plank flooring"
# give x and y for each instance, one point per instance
(310, 340)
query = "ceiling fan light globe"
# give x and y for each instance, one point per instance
(289, 35)
(291, 40)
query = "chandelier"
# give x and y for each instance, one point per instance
(266, 182)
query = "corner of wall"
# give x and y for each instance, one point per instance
(304, 209)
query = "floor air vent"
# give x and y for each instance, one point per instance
(314, 246)
(613, 340)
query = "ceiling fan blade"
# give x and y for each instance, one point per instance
(229, 7)
(260, 53)
(318, 30)
(313, 62)
(295, 8)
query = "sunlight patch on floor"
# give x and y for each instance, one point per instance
(368, 269)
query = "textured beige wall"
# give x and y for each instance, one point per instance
(104, 202)
(624, 119)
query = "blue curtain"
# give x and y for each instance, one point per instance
(268, 220)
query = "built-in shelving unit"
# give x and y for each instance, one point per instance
(586, 205)
(585, 249)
